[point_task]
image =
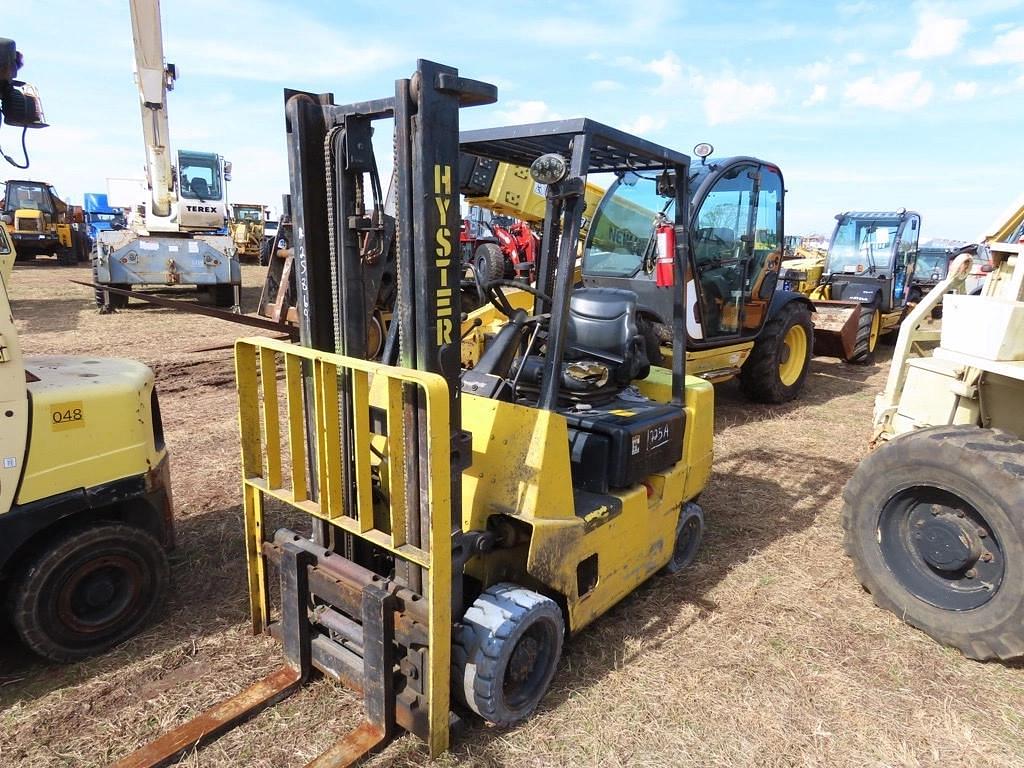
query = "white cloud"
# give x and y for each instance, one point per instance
(517, 112)
(817, 95)
(816, 71)
(604, 86)
(965, 90)
(936, 35)
(728, 99)
(855, 8)
(895, 93)
(644, 125)
(1007, 48)
(855, 57)
(670, 69)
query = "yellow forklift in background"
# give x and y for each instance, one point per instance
(461, 522)
(85, 501)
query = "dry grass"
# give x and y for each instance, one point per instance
(766, 653)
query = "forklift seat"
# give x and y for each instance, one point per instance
(603, 327)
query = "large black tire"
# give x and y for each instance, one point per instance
(67, 257)
(934, 523)
(777, 366)
(868, 331)
(91, 590)
(489, 262)
(266, 250)
(689, 535)
(223, 295)
(506, 652)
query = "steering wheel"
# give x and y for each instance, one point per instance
(493, 293)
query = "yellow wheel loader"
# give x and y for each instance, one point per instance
(40, 223)
(934, 517)
(85, 502)
(863, 287)
(463, 524)
(246, 224)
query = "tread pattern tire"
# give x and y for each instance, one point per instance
(985, 467)
(67, 257)
(485, 644)
(489, 262)
(689, 536)
(35, 599)
(266, 249)
(863, 353)
(759, 376)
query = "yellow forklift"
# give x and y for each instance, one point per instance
(85, 501)
(461, 523)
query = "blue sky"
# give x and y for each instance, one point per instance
(864, 105)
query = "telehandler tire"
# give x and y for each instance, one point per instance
(777, 366)
(868, 327)
(506, 652)
(89, 591)
(934, 523)
(266, 250)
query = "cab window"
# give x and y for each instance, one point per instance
(723, 250)
(199, 177)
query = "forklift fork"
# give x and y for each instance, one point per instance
(376, 632)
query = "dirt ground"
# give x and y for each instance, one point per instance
(766, 653)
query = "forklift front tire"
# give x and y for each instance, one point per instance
(506, 652)
(89, 591)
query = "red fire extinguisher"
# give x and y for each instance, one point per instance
(664, 275)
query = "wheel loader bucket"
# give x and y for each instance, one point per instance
(835, 327)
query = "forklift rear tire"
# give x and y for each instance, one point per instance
(66, 257)
(689, 535)
(778, 363)
(91, 590)
(506, 653)
(932, 523)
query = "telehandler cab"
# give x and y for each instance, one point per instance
(739, 320)
(863, 287)
(462, 522)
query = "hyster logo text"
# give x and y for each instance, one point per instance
(443, 252)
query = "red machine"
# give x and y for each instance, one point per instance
(507, 250)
